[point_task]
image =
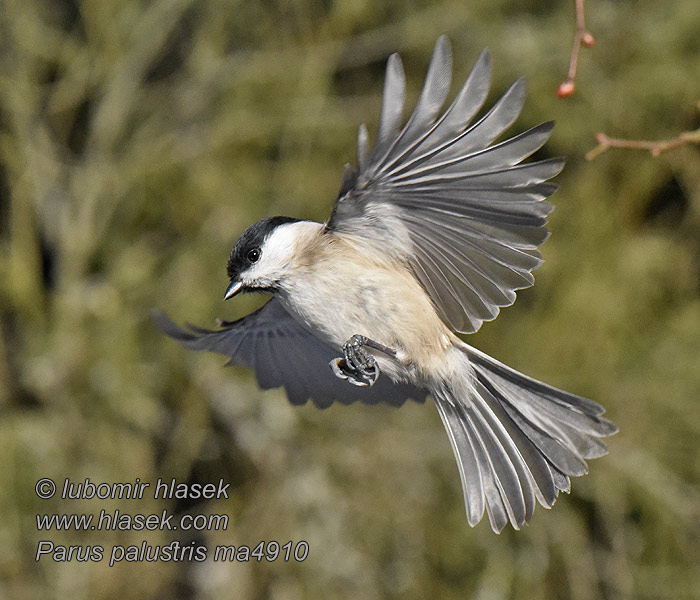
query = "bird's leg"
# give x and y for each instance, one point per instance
(357, 365)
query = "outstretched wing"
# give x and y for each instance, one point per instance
(282, 353)
(439, 194)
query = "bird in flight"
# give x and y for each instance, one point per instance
(434, 231)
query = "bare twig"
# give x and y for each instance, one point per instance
(581, 37)
(654, 147)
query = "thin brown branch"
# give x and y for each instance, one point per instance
(655, 148)
(581, 37)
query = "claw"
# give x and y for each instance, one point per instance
(358, 366)
(359, 377)
(360, 382)
(338, 367)
(372, 374)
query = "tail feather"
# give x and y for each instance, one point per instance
(507, 503)
(469, 473)
(558, 454)
(535, 472)
(516, 439)
(512, 473)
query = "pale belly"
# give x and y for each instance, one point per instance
(387, 306)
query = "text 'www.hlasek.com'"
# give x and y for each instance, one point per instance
(114, 519)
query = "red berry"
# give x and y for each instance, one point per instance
(565, 89)
(588, 40)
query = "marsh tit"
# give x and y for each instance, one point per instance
(434, 232)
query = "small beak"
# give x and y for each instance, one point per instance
(232, 289)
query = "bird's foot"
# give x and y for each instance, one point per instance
(357, 365)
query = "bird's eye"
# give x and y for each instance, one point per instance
(254, 255)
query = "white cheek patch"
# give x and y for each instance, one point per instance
(279, 249)
(280, 245)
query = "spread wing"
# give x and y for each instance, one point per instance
(439, 194)
(282, 353)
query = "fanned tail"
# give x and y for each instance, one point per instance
(516, 440)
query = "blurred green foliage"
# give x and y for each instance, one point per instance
(138, 139)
